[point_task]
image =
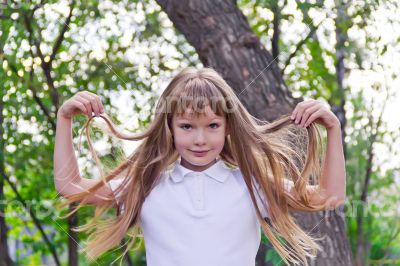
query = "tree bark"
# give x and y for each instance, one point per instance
(73, 259)
(341, 37)
(224, 41)
(276, 9)
(5, 258)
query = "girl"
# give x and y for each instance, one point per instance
(206, 177)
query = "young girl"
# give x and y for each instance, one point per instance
(206, 177)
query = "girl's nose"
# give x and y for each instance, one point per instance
(200, 137)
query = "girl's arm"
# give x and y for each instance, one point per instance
(334, 171)
(333, 182)
(67, 178)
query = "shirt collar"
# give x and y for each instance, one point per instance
(218, 171)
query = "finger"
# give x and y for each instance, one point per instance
(87, 104)
(95, 105)
(81, 107)
(300, 109)
(307, 113)
(88, 96)
(297, 108)
(99, 104)
(93, 101)
(312, 118)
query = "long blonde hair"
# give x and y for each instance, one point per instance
(264, 152)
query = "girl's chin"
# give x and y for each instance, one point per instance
(199, 161)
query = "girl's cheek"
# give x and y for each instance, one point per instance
(182, 141)
(219, 141)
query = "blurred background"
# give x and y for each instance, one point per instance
(272, 52)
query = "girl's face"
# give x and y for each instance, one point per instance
(199, 140)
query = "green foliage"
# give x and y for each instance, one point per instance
(81, 63)
(312, 73)
(380, 220)
(271, 254)
(118, 51)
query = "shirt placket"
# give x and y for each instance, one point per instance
(199, 191)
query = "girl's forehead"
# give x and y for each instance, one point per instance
(190, 114)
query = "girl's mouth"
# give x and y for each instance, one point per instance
(199, 153)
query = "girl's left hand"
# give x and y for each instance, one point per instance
(312, 110)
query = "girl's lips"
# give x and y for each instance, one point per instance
(199, 153)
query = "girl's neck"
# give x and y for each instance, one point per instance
(197, 168)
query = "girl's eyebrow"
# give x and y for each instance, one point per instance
(182, 119)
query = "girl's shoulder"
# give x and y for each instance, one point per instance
(258, 193)
(237, 172)
(288, 184)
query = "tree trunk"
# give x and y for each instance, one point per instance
(224, 41)
(5, 258)
(72, 238)
(341, 37)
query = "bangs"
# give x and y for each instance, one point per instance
(195, 96)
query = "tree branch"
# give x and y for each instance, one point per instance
(46, 66)
(364, 194)
(299, 45)
(370, 151)
(30, 36)
(186, 56)
(34, 219)
(63, 30)
(37, 6)
(387, 249)
(39, 101)
(34, 93)
(276, 9)
(5, 258)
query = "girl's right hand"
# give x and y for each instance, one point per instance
(83, 102)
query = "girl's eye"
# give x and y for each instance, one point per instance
(185, 126)
(216, 125)
(188, 126)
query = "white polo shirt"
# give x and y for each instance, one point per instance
(200, 218)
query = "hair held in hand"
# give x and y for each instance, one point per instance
(266, 153)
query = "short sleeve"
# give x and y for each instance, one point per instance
(288, 185)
